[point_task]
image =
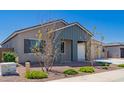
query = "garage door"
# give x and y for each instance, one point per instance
(81, 51)
(122, 52)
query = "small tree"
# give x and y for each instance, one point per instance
(89, 42)
(36, 49)
(101, 40)
(48, 54)
(45, 49)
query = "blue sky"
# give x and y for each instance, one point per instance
(109, 23)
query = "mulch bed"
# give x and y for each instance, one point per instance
(56, 73)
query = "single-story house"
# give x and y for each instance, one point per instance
(74, 39)
(114, 50)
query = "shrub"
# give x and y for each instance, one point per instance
(87, 69)
(70, 72)
(102, 63)
(36, 75)
(9, 57)
(121, 65)
(105, 67)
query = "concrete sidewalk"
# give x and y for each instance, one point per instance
(111, 76)
(112, 60)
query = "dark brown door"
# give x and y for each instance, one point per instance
(122, 52)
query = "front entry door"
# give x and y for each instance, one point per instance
(81, 51)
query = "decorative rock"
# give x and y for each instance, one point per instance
(8, 68)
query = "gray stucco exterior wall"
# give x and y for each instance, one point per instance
(74, 33)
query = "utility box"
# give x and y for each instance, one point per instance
(8, 68)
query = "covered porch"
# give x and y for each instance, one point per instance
(73, 51)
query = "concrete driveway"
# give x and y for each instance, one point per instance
(112, 60)
(111, 76)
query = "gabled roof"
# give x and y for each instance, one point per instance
(72, 24)
(48, 23)
(32, 27)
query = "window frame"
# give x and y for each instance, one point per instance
(62, 47)
(30, 45)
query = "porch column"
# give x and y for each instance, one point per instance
(74, 50)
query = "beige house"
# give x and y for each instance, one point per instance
(73, 39)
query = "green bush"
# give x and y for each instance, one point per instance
(105, 67)
(36, 75)
(87, 69)
(9, 57)
(121, 65)
(70, 72)
(102, 63)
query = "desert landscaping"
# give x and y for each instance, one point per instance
(58, 72)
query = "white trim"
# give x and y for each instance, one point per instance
(21, 31)
(72, 25)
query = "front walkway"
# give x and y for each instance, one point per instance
(111, 76)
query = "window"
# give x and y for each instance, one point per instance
(62, 47)
(103, 50)
(30, 44)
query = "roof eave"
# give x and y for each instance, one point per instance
(29, 28)
(91, 34)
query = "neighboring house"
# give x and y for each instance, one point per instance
(97, 49)
(75, 41)
(114, 50)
